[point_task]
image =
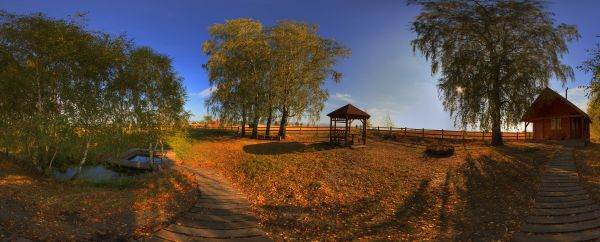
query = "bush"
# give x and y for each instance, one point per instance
(181, 144)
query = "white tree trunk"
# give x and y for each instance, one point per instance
(52, 160)
(85, 154)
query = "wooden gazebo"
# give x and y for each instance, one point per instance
(344, 116)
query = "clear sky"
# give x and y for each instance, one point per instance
(382, 75)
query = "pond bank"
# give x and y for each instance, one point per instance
(43, 209)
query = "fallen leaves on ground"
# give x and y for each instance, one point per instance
(43, 209)
(305, 189)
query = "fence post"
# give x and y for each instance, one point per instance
(483, 135)
(404, 132)
(464, 134)
(300, 129)
(423, 132)
(517, 136)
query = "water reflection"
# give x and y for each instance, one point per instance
(96, 173)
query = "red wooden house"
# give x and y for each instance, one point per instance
(556, 118)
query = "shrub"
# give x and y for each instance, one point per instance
(181, 144)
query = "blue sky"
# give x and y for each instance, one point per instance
(382, 75)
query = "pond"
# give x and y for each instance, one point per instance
(145, 159)
(96, 173)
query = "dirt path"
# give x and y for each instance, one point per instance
(221, 214)
(563, 210)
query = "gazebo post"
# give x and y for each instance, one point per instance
(346, 133)
(364, 133)
(330, 123)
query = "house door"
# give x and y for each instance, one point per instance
(575, 128)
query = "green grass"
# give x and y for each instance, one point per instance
(181, 144)
(257, 167)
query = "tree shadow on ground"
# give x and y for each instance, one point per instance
(278, 148)
(495, 194)
(317, 222)
(414, 207)
(420, 142)
(212, 134)
(362, 218)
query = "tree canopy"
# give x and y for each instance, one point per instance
(592, 66)
(259, 72)
(493, 57)
(67, 91)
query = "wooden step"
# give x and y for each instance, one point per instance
(221, 218)
(562, 199)
(560, 184)
(573, 204)
(559, 189)
(220, 225)
(575, 236)
(219, 211)
(562, 219)
(563, 211)
(561, 228)
(561, 194)
(214, 233)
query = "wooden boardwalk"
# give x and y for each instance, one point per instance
(221, 214)
(563, 209)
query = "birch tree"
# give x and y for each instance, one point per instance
(237, 67)
(592, 66)
(302, 61)
(74, 95)
(493, 57)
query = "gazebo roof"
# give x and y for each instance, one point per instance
(348, 111)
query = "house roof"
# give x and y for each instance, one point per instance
(545, 99)
(348, 111)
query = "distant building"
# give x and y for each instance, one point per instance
(556, 118)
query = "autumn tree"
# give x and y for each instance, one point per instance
(302, 61)
(237, 67)
(73, 95)
(593, 89)
(387, 121)
(263, 73)
(493, 57)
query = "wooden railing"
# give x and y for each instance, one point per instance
(398, 132)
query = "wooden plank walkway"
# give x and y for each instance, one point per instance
(563, 209)
(221, 214)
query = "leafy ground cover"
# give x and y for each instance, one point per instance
(304, 189)
(38, 208)
(588, 162)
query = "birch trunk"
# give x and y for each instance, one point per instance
(85, 154)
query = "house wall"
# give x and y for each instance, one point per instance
(542, 130)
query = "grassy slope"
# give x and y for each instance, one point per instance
(43, 209)
(389, 190)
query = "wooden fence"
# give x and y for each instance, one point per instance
(398, 132)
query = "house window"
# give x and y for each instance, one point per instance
(555, 124)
